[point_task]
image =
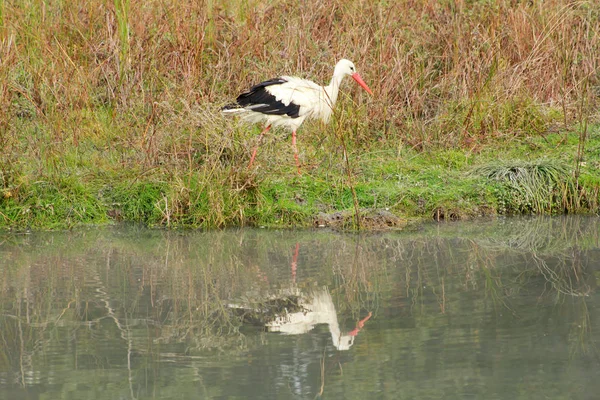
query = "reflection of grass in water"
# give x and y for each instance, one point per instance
(544, 235)
(357, 283)
(566, 279)
(553, 251)
(189, 295)
(552, 247)
(519, 257)
(54, 291)
(495, 289)
(33, 301)
(580, 335)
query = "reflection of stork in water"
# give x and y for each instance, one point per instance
(317, 309)
(292, 312)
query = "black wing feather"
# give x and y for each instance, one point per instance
(265, 103)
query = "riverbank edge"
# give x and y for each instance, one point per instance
(389, 190)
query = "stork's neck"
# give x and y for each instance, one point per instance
(334, 86)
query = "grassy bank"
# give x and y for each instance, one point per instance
(109, 110)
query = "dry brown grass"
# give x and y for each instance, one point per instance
(423, 59)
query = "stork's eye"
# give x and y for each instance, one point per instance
(351, 68)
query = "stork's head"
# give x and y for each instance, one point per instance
(345, 342)
(346, 67)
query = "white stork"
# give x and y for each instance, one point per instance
(288, 100)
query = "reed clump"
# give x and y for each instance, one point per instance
(539, 186)
(122, 98)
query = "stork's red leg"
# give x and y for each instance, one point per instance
(295, 151)
(258, 144)
(295, 262)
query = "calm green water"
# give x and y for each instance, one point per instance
(504, 309)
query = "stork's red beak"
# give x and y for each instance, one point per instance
(362, 83)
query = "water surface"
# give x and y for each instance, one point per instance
(500, 309)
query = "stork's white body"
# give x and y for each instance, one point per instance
(288, 101)
(315, 101)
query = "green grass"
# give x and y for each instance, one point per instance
(540, 186)
(410, 184)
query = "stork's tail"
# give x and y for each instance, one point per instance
(232, 108)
